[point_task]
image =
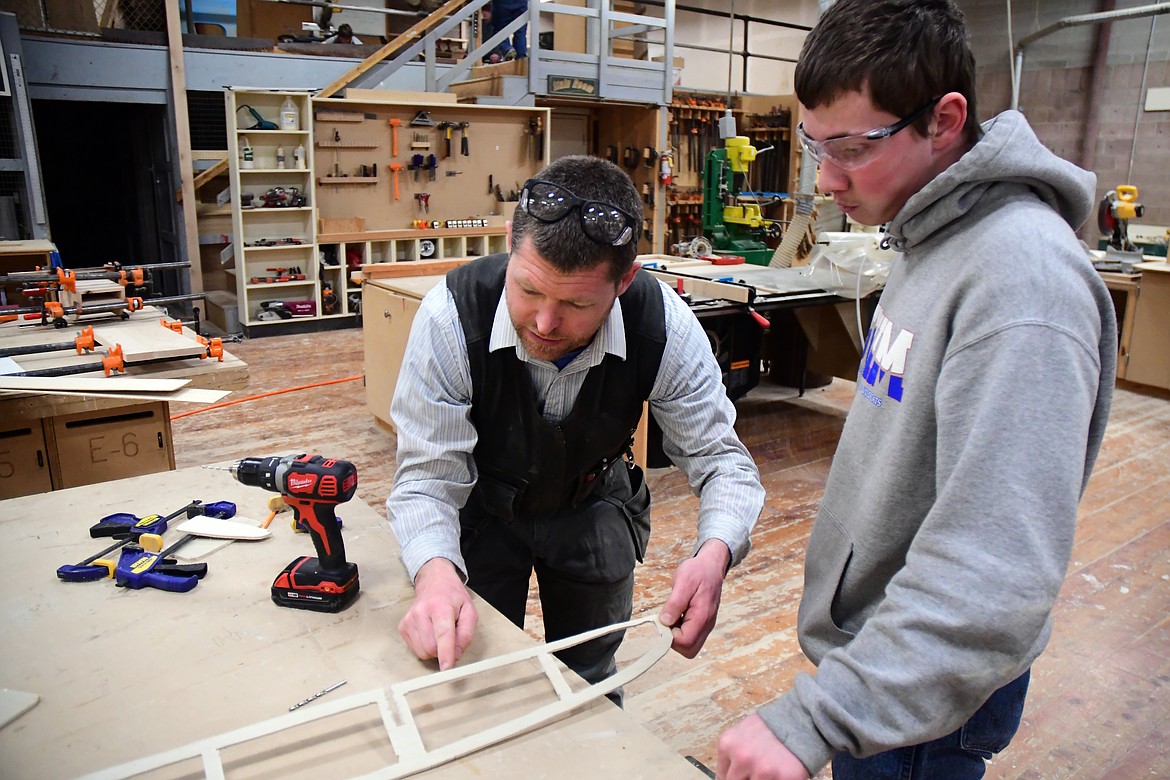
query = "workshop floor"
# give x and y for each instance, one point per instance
(1099, 705)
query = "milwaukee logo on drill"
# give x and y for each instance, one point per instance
(301, 483)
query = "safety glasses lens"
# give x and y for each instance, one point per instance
(547, 203)
(850, 152)
(814, 148)
(605, 224)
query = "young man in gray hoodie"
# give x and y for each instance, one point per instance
(947, 522)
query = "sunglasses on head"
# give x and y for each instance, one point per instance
(602, 222)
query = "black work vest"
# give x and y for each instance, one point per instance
(527, 465)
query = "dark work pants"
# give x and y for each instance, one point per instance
(961, 755)
(503, 13)
(584, 561)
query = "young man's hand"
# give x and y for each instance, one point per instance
(694, 597)
(442, 619)
(750, 751)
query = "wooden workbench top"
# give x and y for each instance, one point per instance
(413, 286)
(123, 674)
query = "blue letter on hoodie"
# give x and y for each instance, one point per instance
(885, 355)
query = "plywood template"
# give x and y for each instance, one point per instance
(147, 340)
(408, 744)
(219, 528)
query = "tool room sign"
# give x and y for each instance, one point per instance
(572, 85)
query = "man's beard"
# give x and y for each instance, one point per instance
(544, 351)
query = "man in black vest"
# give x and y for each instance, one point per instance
(519, 392)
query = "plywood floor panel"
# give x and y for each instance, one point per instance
(1098, 705)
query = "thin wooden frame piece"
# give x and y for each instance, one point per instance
(405, 740)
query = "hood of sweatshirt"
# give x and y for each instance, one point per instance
(1008, 158)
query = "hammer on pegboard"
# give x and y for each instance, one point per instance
(394, 125)
(394, 169)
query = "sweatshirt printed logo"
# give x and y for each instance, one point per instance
(885, 357)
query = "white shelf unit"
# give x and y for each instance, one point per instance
(264, 271)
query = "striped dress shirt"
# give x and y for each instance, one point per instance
(432, 413)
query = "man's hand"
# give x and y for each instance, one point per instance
(694, 597)
(442, 619)
(750, 751)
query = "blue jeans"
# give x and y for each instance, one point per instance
(957, 756)
(502, 15)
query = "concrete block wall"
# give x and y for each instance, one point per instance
(1131, 145)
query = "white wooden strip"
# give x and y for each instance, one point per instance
(190, 395)
(92, 384)
(553, 673)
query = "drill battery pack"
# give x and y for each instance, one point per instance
(305, 585)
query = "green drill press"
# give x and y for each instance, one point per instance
(734, 228)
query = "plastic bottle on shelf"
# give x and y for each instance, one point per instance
(299, 156)
(246, 159)
(290, 117)
(280, 157)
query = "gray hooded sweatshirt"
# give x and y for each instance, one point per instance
(947, 522)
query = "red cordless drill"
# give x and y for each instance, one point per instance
(312, 486)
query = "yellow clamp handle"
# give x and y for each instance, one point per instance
(149, 542)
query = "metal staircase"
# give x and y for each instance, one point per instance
(595, 73)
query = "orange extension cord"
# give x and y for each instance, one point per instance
(263, 395)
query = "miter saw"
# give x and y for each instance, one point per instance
(1115, 211)
(1117, 208)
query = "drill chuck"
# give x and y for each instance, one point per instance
(257, 472)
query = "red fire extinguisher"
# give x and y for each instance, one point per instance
(665, 172)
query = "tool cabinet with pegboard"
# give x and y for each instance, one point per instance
(274, 241)
(404, 181)
(627, 136)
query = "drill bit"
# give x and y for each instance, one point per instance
(317, 695)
